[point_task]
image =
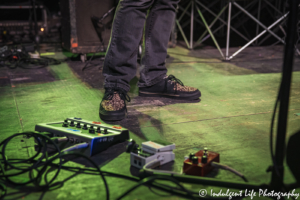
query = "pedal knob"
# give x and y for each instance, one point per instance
(204, 159)
(205, 151)
(92, 130)
(131, 146)
(191, 156)
(98, 129)
(65, 124)
(78, 125)
(105, 131)
(84, 127)
(72, 123)
(195, 160)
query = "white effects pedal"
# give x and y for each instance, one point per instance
(152, 151)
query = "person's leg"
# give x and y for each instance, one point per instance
(153, 79)
(156, 36)
(121, 56)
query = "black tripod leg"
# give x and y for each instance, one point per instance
(277, 181)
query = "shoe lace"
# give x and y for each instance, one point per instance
(110, 92)
(173, 79)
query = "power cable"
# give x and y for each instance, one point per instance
(40, 164)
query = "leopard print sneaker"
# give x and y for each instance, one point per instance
(170, 87)
(113, 105)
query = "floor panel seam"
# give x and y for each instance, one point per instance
(13, 93)
(215, 118)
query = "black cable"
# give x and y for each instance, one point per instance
(151, 179)
(159, 186)
(271, 132)
(5, 142)
(60, 156)
(42, 164)
(161, 195)
(110, 174)
(41, 140)
(85, 66)
(162, 187)
(275, 166)
(4, 190)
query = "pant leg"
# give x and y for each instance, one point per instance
(156, 36)
(121, 56)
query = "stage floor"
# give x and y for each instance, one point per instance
(233, 117)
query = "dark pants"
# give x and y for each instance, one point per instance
(156, 17)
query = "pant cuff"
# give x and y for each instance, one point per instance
(152, 82)
(118, 85)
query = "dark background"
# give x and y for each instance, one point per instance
(244, 24)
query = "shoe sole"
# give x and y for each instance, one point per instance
(172, 96)
(113, 117)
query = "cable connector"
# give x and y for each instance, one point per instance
(77, 146)
(59, 139)
(155, 163)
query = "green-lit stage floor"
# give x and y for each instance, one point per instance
(233, 117)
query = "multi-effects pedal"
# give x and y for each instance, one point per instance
(88, 137)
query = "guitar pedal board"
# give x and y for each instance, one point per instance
(98, 135)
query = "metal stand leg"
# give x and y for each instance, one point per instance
(211, 34)
(195, 4)
(210, 26)
(258, 22)
(258, 17)
(191, 5)
(263, 32)
(192, 25)
(182, 33)
(180, 27)
(225, 23)
(202, 38)
(228, 31)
